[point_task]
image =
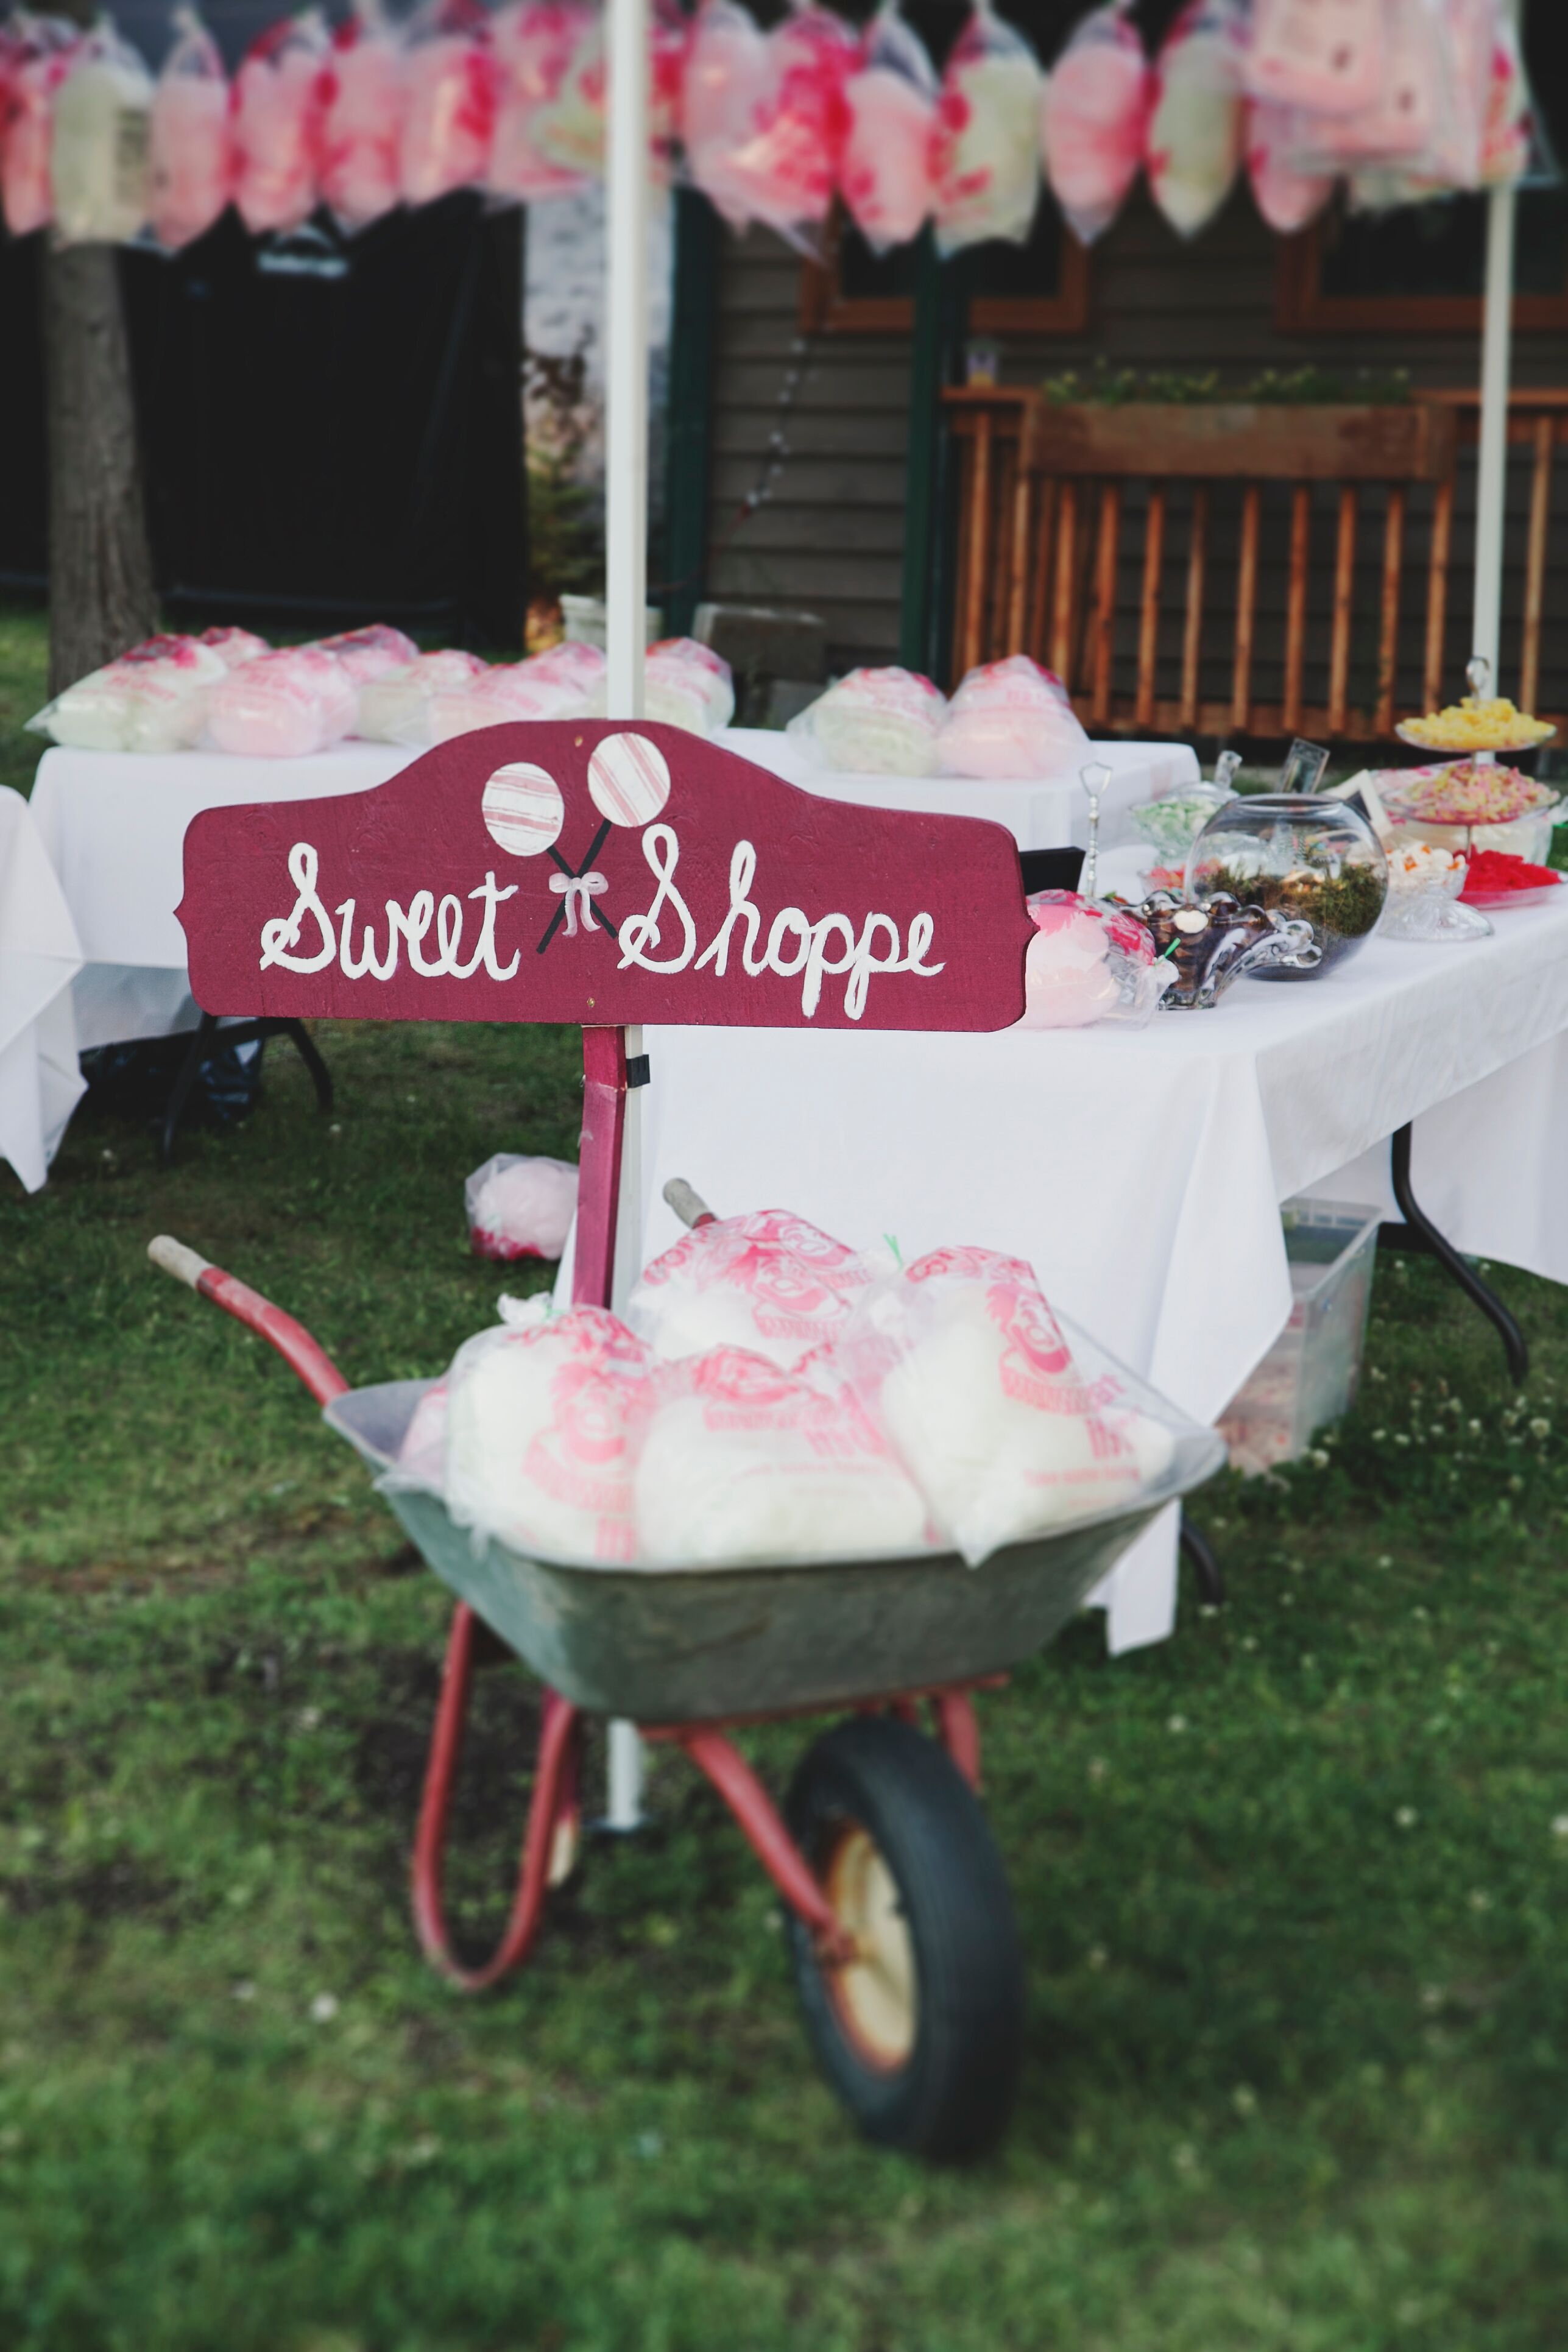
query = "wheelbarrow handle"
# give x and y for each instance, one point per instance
(304, 1356)
(689, 1205)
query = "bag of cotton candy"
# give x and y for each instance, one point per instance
(1089, 962)
(397, 709)
(768, 1282)
(1009, 1427)
(1013, 719)
(743, 1463)
(544, 1418)
(688, 685)
(282, 705)
(874, 722)
(155, 697)
(985, 160)
(520, 1207)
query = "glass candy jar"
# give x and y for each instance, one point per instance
(1300, 857)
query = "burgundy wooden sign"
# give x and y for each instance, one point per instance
(603, 872)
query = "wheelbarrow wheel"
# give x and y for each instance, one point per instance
(921, 2033)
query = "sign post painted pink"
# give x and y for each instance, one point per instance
(603, 874)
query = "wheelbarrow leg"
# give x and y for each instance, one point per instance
(551, 1816)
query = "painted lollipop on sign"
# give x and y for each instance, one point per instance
(628, 779)
(522, 809)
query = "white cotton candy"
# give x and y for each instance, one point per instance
(1196, 133)
(890, 102)
(543, 1422)
(520, 1207)
(975, 1382)
(782, 167)
(1093, 118)
(985, 152)
(280, 95)
(282, 705)
(879, 722)
(396, 708)
(769, 1283)
(689, 685)
(1010, 719)
(98, 181)
(152, 698)
(192, 152)
(513, 690)
(361, 127)
(745, 1464)
(234, 646)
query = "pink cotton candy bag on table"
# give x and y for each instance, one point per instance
(362, 128)
(514, 690)
(192, 158)
(689, 685)
(768, 1282)
(889, 121)
(1094, 119)
(39, 52)
(282, 705)
(449, 112)
(234, 646)
(372, 652)
(1196, 132)
(1087, 963)
(1010, 719)
(397, 709)
(279, 100)
(985, 160)
(878, 722)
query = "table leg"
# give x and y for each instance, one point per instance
(1419, 1233)
(246, 1033)
(1205, 1567)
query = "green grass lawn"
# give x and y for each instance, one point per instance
(1292, 1887)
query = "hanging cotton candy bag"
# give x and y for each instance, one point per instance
(543, 1422)
(1009, 1427)
(743, 1465)
(727, 73)
(1197, 125)
(448, 119)
(985, 160)
(99, 189)
(279, 100)
(362, 128)
(535, 42)
(1094, 119)
(782, 170)
(769, 1283)
(40, 52)
(1288, 199)
(1324, 53)
(192, 164)
(889, 121)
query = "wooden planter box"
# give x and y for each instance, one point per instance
(1240, 441)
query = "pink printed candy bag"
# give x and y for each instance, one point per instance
(768, 1282)
(1324, 53)
(890, 120)
(746, 1464)
(1007, 1426)
(1087, 963)
(1094, 119)
(544, 1419)
(986, 159)
(279, 103)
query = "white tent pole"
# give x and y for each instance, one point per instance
(1491, 480)
(626, 562)
(626, 354)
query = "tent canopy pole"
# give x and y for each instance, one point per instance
(626, 354)
(1491, 481)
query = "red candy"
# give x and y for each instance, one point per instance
(1492, 871)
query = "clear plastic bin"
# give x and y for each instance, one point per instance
(1308, 1377)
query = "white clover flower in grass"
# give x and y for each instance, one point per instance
(1406, 1817)
(1539, 1428)
(1480, 1899)
(323, 2008)
(1560, 1826)
(1244, 2099)
(1177, 1723)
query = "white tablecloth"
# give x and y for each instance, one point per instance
(1140, 1171)
(40, 958)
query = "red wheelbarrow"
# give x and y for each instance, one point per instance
(900, 1922)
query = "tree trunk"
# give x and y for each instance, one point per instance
(101, 597)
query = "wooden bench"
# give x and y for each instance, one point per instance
(1167, 561)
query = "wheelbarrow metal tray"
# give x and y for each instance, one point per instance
(687, 1645)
